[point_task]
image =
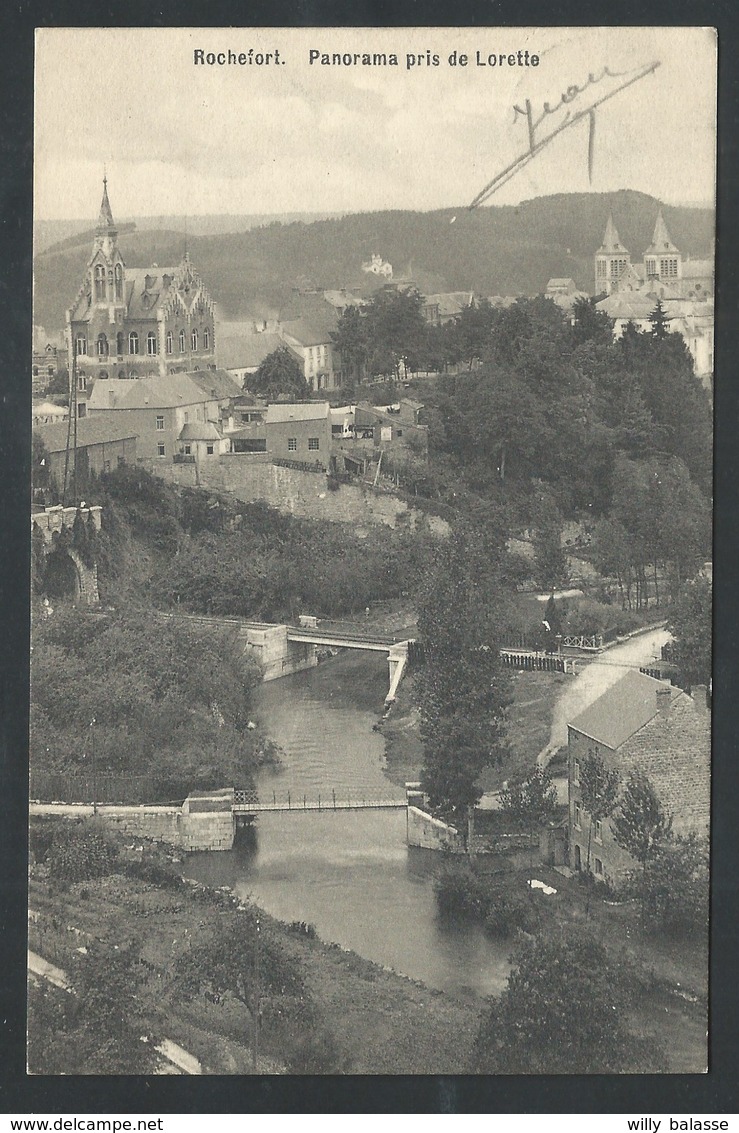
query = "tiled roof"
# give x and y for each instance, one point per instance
(246, 350)
(215, 383)
(101, 428)
(199, 431)
(162, 392)
(310, 330)
(622, 710)
(296, 411)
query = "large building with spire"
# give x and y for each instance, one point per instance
(136, 322)
(683, 286)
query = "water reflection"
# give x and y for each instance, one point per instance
(349, 873)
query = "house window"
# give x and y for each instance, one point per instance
(160, 450)
(160, 422)
(133, 343)
(102, 346)
(598, 830)
(206, 339)
(188, 450)
(599, 867)
(314, 443)
(576, 772)
(81, 383)
(209, 449)
(578, 815)
(292, 444)
(80, 344)
(151, 343)
(106, 466)
(187, 417)
(100, 282)
(182, 342)
(118, 281)
(170, 342)
(194, 340)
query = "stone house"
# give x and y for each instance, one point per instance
(645, 723)
(299, 431)
(104, 442)
(157, 409)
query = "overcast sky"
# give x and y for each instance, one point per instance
(177, 138)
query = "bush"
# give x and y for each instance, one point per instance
(80, 852)
(462, 894)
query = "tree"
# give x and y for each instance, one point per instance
(690, 626)
(350, 339)
(396, 332)
(463, 688)
(245, 960)
(531, 801)
(674, 889)
(590, 324)
(639, 823)
(598, 790)
(659, 321)
(280, 374)
(564, 1011)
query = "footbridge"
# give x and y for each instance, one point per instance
(248, 804)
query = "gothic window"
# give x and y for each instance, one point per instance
(182, 342)
(100, 282)
(170, 342)
(118, 281)
(651, 268)
(206, 339)
(80, 344)
(151, 343)
(110, 283)
(102, 346)
(194, 340)
(133, 343)
(120, 340)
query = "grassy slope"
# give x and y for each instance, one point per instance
(382, 1023)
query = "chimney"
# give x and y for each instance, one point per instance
(664, 696)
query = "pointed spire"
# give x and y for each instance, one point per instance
(611, 239)
(661, 239)
(105, 220)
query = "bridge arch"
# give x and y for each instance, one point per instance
(63, 571)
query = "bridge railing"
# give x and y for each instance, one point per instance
(360, 638)
(328, 799)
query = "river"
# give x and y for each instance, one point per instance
(349, 873)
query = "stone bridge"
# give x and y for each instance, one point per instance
(49, 524)
(285, 649)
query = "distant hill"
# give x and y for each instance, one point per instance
(507, 250)
(52, 235)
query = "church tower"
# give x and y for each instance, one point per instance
(611, 260)
(663, 261)
(106, 269)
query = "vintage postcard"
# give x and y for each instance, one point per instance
(371, 550)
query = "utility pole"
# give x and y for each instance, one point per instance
(94, 767)
(256, 1001)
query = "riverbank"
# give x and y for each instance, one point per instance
(535, 695)
(365, 1019)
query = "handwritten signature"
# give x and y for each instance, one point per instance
(573, 92)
